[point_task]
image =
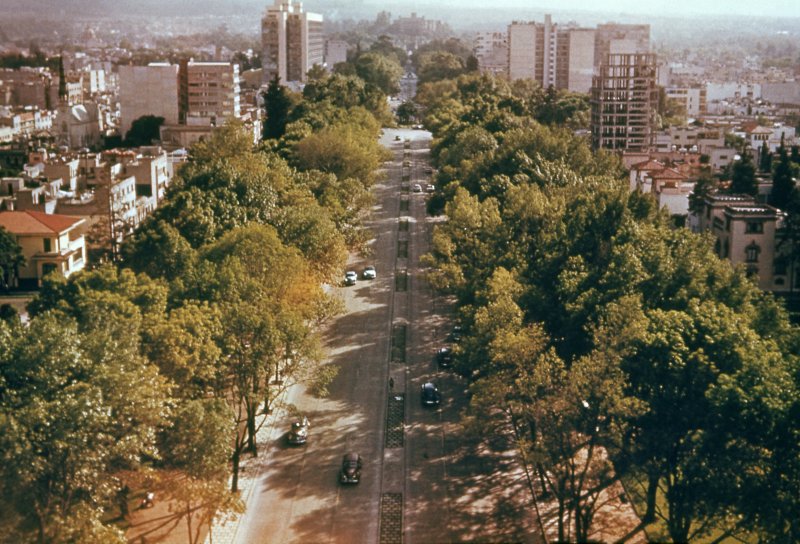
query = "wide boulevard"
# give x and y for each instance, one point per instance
(424, 480)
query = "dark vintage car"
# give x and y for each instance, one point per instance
(429, 394)
(350, 472)
(298, 434)
(444, 357)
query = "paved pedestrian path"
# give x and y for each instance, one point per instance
(224, 531)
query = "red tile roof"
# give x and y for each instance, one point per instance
(647, 165)
(668, 173)
(31, 222)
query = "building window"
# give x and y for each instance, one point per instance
(47, 245)
(780, 266)
(751, 253)
(754, 227)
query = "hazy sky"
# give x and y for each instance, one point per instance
(768, 8)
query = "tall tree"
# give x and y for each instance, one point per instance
(144, 130)
(198, 446)
(11, 258)
(782, 181)
(743, 180)
(765, 158)
(381, 71)
(277, 105)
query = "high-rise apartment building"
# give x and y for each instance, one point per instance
(567, 56)
(554, 56)
(193, 93)
(624, 98)
(148, 90)
(292, 41)
(491, 50)
(209, 92)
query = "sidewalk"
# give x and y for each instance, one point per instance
(224, 531)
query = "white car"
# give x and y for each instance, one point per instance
(430, 188)
(369, 273)
(417, 188)
(350, 278)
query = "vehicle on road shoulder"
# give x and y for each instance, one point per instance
(350, 277)
(369, 273)
(298, 434)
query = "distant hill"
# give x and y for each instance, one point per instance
(94, 8)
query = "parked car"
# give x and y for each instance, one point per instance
(417, 188)
(444, 357)
(350, 472)
(298, 434)
(369, 273)
(429, 394)
(430, 188)
(350, 278)
(455, 334)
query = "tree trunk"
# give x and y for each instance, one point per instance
(189, 523)
(680, 519)
(237, 451)
(252, 447)
(652, 492)
(542, 482)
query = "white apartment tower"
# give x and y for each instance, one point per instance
(559, 57)
(491, 50)
(292, 41)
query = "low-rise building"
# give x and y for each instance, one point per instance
(50, 243)
(746, 233)
(670, 187)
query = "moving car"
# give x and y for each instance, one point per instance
(350, 278)
(369, 273)
(429, 394)
(298, 434)
(350, 472)
(444, 357)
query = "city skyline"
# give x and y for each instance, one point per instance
(769, 8)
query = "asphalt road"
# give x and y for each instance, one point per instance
(437, 485)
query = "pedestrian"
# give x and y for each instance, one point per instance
(122, 499)
(391, 383)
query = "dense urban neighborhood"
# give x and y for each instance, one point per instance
(398, 273)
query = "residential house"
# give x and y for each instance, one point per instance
(747, 234)
(50, 243)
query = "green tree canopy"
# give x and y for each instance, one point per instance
(11, 258)
(144, 130)
(381, 71)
